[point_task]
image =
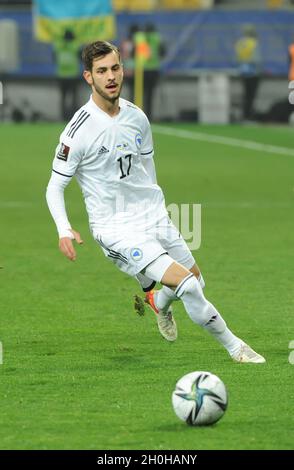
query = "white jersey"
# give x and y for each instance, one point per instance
(107, 156)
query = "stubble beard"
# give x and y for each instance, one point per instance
(100, 92)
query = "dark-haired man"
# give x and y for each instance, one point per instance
(108, 147)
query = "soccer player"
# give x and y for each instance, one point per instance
(108, 147)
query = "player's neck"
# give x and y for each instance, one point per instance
(112, 109)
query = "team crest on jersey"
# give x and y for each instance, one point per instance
(63, 152)
(138, 140)
(136, 254)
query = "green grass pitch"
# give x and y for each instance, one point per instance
(80, 370)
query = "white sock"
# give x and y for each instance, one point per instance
(202, 312)
(231, 342)
(201, 281)
(164, 297)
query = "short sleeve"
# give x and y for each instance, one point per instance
(68, 155)
(147, 140)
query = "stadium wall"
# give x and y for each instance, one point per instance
(195, 39)
(197, 42)
(176, 98)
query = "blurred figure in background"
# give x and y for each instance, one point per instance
(249, 58)
(127, 51)
(152, 67)
(291, 61)
(67, 59)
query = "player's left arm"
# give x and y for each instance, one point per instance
(149, 166)
(147, 151)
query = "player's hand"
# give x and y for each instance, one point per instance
(66, 245)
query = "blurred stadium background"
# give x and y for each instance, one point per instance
(199, 36)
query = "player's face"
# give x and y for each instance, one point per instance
(106, 76)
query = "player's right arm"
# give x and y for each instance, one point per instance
(66, 246)
(67, 158)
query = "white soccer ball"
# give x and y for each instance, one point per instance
(200, 398)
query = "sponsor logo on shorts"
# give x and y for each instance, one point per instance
(136, 254)
(63, 152)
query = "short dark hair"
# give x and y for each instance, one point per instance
(95, 50)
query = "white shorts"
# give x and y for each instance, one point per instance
(132, 252)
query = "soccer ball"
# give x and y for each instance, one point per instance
(200, 398)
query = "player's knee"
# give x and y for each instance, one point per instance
(201, 281)
(190, 286)
(196, 271)
(190, 292)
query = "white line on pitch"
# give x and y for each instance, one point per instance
(218, 139)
